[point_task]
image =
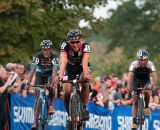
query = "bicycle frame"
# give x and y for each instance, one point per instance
(140, 114)
(41, 109)
(75, 105)
(74, 108)
(141, 106)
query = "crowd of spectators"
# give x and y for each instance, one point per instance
(105, 90)
(111, 90)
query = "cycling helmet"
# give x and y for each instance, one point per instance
(74, 34)
(46, 44)
(142, 54)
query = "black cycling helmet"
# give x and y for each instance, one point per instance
(142, 54)
(46, 44)
(74, 35)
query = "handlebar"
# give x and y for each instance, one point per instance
(141, 89)
(74, 81)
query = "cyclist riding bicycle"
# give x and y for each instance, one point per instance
(75, 54)
(142, 73)
(45, 66)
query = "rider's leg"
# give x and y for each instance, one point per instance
(38, 81)
(51, 97)
(84, 99)
(147, 98)
(37, 92)
(67, 88)
(134, 112)
(85, 93)
(85, 90)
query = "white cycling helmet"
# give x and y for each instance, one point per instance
(142, 54)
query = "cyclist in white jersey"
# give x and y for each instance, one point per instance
(142, 73)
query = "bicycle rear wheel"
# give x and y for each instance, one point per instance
(140, 113)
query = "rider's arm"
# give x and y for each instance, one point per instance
(153, 76)
(130, 74)
(63, 64)
(86, 57)
(85, 62)
(130, 79)
(33, 69)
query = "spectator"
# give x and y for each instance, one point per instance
(5, 80)
(117, 97)
(107, 91)
(15, 84)
(96, 97)
(155, 104)
(98, 84)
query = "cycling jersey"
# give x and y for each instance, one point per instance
(44, 65)
(74, 65)
(75, 58)
(141, 75)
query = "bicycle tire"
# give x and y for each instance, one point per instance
(74, 112)
(141, 112)
(39, 122)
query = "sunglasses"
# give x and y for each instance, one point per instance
(74, 42)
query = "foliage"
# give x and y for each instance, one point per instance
(24, 23)
(130, 28)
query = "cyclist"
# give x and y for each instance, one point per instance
(75, 54)
(45, 66)
(142, 72)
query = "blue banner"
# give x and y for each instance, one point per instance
(101, 118)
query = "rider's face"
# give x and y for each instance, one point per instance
(46, 52)
(143, 62)
(75, 45)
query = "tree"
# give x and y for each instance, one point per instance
(132, 26)
(24, 23)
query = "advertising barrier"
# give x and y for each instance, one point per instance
(22, 116)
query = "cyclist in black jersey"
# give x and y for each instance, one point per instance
(75, 54)
(45, 66)
(142, 73)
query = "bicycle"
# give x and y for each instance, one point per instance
(75, 104)
(141, 106)
(41, 109)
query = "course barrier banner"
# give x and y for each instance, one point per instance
(101, 118)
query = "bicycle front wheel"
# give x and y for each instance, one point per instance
(74, 112)
(39, 121)
(140, 113)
